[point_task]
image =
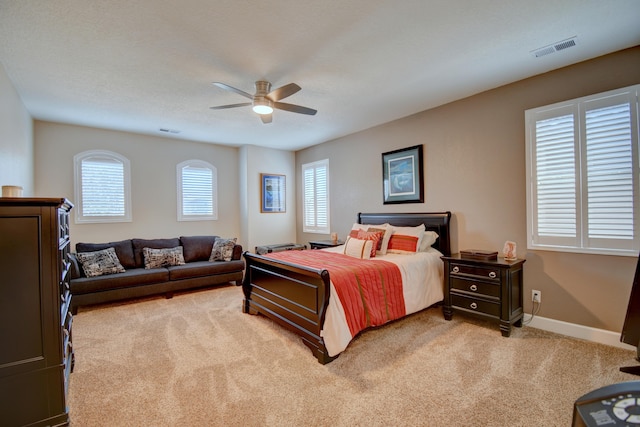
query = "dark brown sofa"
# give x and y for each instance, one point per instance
(136, 281)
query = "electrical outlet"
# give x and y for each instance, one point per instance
(536, 296)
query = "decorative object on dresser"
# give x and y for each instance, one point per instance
(479, 254)
(37, 353)
(320, 244)
(295, 289)
(491, 288)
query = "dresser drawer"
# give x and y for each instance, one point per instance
(475, 304)
(475, 286)
(474, 271)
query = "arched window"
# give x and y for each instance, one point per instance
(102, 185)
(197, 191)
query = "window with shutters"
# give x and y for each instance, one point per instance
(315, 189)
(197, 191)
(102, 187)
(583, 175)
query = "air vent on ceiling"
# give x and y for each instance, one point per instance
(168, 130)
(555, 47)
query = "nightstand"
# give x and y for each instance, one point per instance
(489, 288)
(319, 244)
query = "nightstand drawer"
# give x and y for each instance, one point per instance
(475, 286)
(473, 270)
(475, 304)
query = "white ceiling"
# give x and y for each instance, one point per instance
(144, 65)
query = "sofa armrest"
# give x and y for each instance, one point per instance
(75, 269)
(237, 252)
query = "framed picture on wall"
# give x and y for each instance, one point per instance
(403, 176)
(273, 195)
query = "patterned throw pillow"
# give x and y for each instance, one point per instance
(222, 249)
(374, 236)
(156, 258)
(358, 248)
(99, 263)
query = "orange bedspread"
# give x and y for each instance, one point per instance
(370, 291)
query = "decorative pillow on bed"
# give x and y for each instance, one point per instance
(156, 258)
(374, 236)
(428, 239)
(406, 240)
(223, 249)
(358, 248)
(99, 263)
(384, 242)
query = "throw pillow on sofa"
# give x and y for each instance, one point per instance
(156, 258)
(99, 263)
(222, 249)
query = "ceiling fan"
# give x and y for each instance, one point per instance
(265, 99)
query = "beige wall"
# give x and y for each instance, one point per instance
(16, 138)
(474, 156)
(266, 228)
(153, 180)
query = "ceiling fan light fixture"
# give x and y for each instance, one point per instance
(262, 106)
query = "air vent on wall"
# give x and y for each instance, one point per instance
(555, 47)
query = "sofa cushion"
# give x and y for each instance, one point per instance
(222, 249)
(156, 258)
(140, 244)
(197, 248)
(124, 250)
(204, 268)
(100, 263)
(130, 278)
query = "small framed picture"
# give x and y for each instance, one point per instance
(273, 195)
(403, 176)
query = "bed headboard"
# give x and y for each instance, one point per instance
(433, 221)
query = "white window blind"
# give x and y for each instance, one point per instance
(102, 187)
(583, 175)
(315, 178)
(197, 191)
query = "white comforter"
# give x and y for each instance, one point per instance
(422, 283)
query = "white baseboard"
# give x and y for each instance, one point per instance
(577, 331)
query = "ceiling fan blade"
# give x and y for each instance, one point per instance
(294, 108)
(266, 118)
(283, 91)
(223, 107)
(233, 89)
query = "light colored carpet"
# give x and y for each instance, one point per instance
(197, 360)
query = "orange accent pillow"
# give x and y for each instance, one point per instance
(402, 243)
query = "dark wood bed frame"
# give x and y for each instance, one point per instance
(297, 297)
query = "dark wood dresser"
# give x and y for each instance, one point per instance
(35, 322)
(488, 288)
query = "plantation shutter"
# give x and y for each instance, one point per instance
(197, 190)
(583, 175)
(103, 191)
(316, 197)
(197, 184)
(609, 177)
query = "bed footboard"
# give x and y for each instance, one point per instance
(293, 296)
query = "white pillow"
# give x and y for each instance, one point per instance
(428, 239)
(358, 248)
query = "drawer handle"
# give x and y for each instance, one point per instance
(473, 305)
(455, 269)
(492, 274)
(473, 288)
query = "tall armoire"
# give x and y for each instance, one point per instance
(36, 351)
